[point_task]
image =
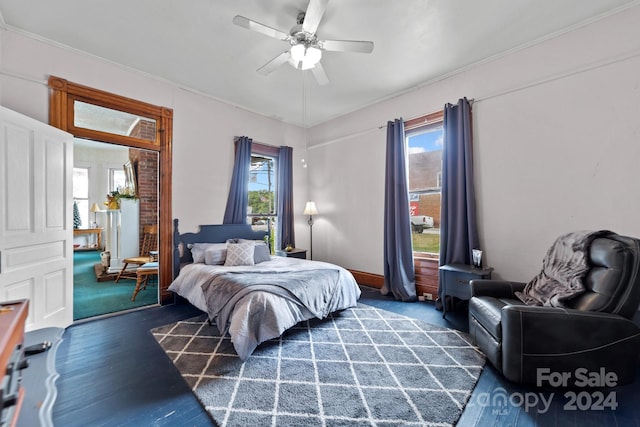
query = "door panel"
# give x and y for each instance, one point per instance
(36, 224)
(18, 147)
(54, 184)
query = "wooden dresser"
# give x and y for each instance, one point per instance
(13, 315)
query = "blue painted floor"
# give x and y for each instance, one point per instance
(526, 406)
(113, 373)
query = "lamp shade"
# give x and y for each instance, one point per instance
(303, 57)
(310, 209)
(95, 208)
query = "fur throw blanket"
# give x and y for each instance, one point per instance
(563, 269)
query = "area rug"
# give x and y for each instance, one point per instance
(362, 366)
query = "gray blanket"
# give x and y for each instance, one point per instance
(563, 269)
(314, 289)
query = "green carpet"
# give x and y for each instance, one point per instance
(92, 298)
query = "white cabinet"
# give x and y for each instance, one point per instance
(129, 228)
(122, 233)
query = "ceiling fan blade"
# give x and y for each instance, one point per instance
(313, 15)
(346, 46)
(249, 24)
(319, 74)
(274, 63)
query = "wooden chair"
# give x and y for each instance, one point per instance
(149, 245)
(142, 276)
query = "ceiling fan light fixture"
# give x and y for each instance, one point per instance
(303, 57)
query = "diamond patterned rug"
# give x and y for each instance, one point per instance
(360, 367)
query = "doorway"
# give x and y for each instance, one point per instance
(101, 169)
(153, 131)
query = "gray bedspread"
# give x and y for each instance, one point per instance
(563, 269)
(314, 289)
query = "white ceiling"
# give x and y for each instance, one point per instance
(195, 45)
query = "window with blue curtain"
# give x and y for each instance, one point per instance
(261, 192)
(262, 212)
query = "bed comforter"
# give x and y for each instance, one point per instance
(263, 311)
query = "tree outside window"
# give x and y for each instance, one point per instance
(261, 206)
(81, 194)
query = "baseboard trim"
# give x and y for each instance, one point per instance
(368, 279)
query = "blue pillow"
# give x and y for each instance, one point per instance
(261, 253)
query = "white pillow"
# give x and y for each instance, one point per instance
(215, 254)
(198, 250)
(255, 242)
(239, 254)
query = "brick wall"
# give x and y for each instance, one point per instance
(427, 279)
(144, 129)
(429, 204)
(145, 164)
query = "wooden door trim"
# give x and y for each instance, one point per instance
(62, 95)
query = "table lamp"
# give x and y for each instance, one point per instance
(95, 208)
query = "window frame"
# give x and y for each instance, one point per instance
(84, 212)
(269, 151)
(274, 184)
(418, 125)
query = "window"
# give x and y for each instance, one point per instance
(262, 189)
(117, 179)
(261, 204)
(81, 194)
(96, 117)
(424, 138)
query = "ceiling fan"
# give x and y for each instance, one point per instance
(306, 48)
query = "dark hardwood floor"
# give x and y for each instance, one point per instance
(112, 373)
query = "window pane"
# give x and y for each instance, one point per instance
(425, 180)
(80, 183)
(262, 186)
(95, 117)
(264, 223)
(83, 209)
(118, 179)
(261, 204)
(81, 194)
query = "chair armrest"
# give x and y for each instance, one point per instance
(555, 339)
(495, 288)
(565, 326)
(560, 314)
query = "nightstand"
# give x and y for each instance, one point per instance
(294, 253)
(455, 281)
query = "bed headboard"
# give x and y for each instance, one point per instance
(217, 233)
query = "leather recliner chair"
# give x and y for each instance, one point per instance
(592, 336)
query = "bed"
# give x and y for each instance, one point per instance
(254, 301)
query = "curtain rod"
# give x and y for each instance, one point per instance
(365, 131)
(235, 138)
(424, 116)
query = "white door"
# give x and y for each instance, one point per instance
(36, 224)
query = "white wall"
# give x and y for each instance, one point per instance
(556, 129)
(99, 159)
(556, 144)
(203, 128)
